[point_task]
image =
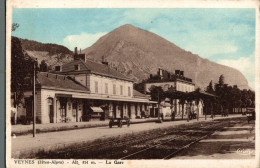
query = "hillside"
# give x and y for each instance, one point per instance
(138, 53)
(53, 54)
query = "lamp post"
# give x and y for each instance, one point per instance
(34, 106)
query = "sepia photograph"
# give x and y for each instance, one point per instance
(110, 86)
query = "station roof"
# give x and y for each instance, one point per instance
(93, 67)
(57, 81)
(179, 94)
(206, 94)
(138, 94)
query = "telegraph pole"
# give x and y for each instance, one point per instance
(34, 106)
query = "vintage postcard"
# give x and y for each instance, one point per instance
(132, 84)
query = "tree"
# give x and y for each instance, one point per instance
(15, 26)
(197, 96)
(21, 67)
(17, 66)
(157, 93)
(236, 97)
(251, 95)
(245, 98)
(140, 86)
(43, 66)
(229, 97)
(210, 88)
(220, 89)
(221, 80)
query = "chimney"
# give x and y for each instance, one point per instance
(181, 73)
(177, 72)
(80, 51)
(160, 72)
(76, 53)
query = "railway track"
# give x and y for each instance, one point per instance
(169, 146)
(110, 143)
(161, 145)
(113, 141)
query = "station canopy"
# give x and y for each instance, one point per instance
(165, 104)
(189, 95)
(96, 109)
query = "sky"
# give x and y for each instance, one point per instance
(225, 36)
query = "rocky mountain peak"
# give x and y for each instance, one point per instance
(138, 53)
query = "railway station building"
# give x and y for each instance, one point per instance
(176, 82)
(83, 90)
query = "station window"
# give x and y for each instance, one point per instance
(114, 89)
(129, 91)
(106, 88)
(121, 90)
(96, 87)
(57, 68)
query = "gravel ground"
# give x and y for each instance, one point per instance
(237, 142)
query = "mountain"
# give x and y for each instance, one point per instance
(53, 54)
(138, 53)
